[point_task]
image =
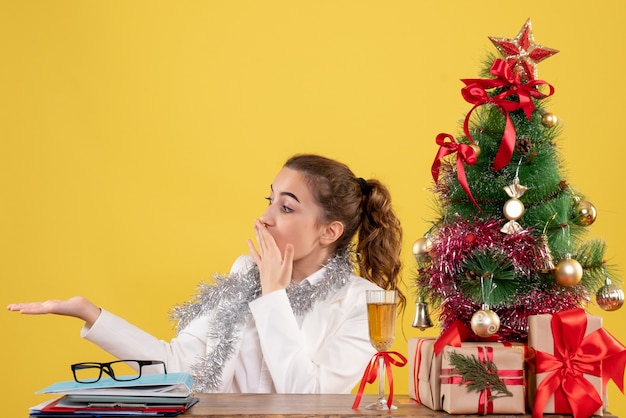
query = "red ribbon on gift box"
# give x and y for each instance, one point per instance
(371, 373)
(475, 92)
(417, 361)
(485, 403)
(574, 355)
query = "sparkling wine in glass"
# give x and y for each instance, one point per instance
(381, 317)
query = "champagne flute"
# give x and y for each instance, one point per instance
(381, 317)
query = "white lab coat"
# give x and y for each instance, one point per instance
(327, 353)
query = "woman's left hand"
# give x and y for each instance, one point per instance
(275, 268)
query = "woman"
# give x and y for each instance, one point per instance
(291, 317)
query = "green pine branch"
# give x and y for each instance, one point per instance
(478, 376)
(497, 273)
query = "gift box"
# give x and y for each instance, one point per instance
(483, 378)
(566, 374)
(424, 369)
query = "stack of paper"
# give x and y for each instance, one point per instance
(155, 395)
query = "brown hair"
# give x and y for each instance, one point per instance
(362, 206)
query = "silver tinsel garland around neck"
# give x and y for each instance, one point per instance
(227, 302)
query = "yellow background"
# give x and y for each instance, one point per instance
(139, 138)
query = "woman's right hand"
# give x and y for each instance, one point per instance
(78, 307)
(275, 268)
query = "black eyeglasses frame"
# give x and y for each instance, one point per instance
(108, 369)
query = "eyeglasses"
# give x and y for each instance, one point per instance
(120, 370)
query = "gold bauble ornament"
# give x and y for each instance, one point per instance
(586, 213)
(568, 271)
(610, 297)
(476, 149)
(485, 323)
(549, 119)
(422, 246)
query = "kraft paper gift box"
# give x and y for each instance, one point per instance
(424, 369)
(541, 339)
(509, 358)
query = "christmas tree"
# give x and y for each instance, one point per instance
(509, 240)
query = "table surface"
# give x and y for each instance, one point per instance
(285, 406)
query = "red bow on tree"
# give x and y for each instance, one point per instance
(475, 92)
(465, 154)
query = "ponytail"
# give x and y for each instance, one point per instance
(380, 240)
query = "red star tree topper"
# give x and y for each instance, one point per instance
(522, 53)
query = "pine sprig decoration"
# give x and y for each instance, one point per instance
(478, 376)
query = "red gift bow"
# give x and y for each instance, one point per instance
(456, 334)
(465, 154)
(575, 355)
(371, 373)
(475, 92)
(509, 377)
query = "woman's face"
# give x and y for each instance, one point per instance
(294, 217)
